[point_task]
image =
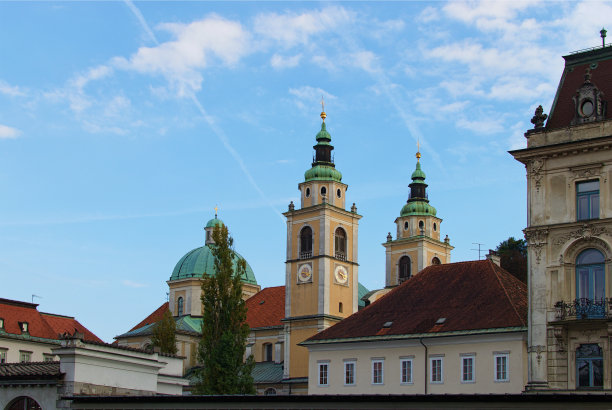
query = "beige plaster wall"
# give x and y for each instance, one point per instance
(14, 346)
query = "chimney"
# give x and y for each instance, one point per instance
(493, 257)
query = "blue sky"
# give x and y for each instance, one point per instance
(123, 124)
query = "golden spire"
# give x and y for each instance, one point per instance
(418, 154)
(323, 115)
(216, 209)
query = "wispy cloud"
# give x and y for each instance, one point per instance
(278, 61)
(7, 132)
(131, 284)
(11, 90)
(306, 95)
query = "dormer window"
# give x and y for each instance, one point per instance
(1, 324)
(24, 327)
(588, 102)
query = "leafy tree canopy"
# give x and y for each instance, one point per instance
(164, 334)
(224, 328)
(513, 255)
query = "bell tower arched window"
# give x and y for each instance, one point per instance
(180, 306)
(404, 269)
(306, 242)
(340, 244)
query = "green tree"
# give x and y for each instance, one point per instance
(164, 334)
(224, 328)
(513, 255)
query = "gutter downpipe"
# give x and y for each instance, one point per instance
(425, 346)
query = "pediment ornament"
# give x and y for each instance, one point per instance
(586, 232)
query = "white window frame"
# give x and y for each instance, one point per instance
(3, 355)
(410, 374)
(320, 366)
(346, 365)
(506, 356)
(431, 373)
(465, 357)
(382, 371)
(23, 354)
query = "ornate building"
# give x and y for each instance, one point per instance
(569, 229)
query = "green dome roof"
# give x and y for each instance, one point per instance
(418, 172)
(323, 173)
(418, 208)
(200, 260)
(214, 222)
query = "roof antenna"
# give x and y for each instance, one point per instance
(602, 33)
(479, 250)
(35, 296)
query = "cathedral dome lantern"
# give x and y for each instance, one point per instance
(323, 167)
(418, 203)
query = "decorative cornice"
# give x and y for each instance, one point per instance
(586, 232)
(587, 171)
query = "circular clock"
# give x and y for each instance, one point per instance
(305, 273)
(341, 274)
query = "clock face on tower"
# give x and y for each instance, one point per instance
(304, 273)
(341, 274)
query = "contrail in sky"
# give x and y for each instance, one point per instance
(209, 120)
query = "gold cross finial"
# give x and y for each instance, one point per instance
(216, 209)
(418, 154)
(323, 115)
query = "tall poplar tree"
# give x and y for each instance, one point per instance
(224, 328)
(164, 334)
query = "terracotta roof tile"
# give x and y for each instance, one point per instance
(572, 79)
(43, 325)
(266, 308)
(153, 317)
(66, 324)
(468, 295)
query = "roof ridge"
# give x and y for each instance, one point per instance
(505, 290)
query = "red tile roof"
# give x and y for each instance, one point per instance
(43, 325)
(266, 308)
(153, 317)
(469, 295)
(66, 324)
(572, 79)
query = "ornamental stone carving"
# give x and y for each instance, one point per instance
(587, 171)
(534, 170)
(586, 232)
(536, 239)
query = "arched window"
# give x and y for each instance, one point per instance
(270, 392)
(404, 269)
(180, 306)
(435, 261)
(589, 366)
(340, 244)
(23, 403)
(306, 242)
(590, 283)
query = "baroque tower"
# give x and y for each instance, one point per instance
(321, 268)
(417, 244)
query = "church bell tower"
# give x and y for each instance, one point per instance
(417, 243)
(321, 267)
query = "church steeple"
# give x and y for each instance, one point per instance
(323, 167)
(418, 202)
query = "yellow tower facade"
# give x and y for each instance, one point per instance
(321, 269)
(417, 243)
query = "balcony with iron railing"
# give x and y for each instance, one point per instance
(583, 308)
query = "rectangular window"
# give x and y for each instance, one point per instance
(323, 373)
(501, 368)
(25, 357)
(48, 357)
(587, 200)
(436, 370)
(3, 355)
(406, 369)
(377, 371)
(349, 373)
(467, 369)
(268, 352)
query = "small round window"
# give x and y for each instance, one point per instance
(587, 108)
(435, 227)
(323, 191)
(307, 192)
(406, 226)
(339, 193)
